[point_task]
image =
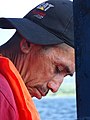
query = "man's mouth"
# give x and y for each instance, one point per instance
(43, 93)
(38, 93)
(35, 93)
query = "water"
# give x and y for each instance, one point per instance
(56, 108)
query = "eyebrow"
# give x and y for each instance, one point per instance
(68, 71)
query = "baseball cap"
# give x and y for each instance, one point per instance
(49, 23)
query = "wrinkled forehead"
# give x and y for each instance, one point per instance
(59, 52)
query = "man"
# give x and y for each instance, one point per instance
(36, 59)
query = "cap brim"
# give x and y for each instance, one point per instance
(30, 30)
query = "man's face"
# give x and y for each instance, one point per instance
(47, 68)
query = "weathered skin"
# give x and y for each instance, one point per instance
(44, 69)
(41, 67)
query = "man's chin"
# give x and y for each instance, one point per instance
(38, 96)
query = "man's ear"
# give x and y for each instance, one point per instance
(25, 46)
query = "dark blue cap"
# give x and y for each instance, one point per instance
(49, 23)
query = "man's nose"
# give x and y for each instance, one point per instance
(54, 84)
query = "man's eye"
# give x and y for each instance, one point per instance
(57, 70)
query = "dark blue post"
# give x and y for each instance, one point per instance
(82, 46)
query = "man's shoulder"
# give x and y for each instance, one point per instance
(5, 90)
(8, 109)
(4, 86)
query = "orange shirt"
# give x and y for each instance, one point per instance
(23, 100)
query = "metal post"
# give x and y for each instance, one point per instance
(82, 48)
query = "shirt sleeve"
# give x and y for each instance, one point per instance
(7, 111)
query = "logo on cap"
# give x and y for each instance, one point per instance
(45, 6)
(40, 11)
